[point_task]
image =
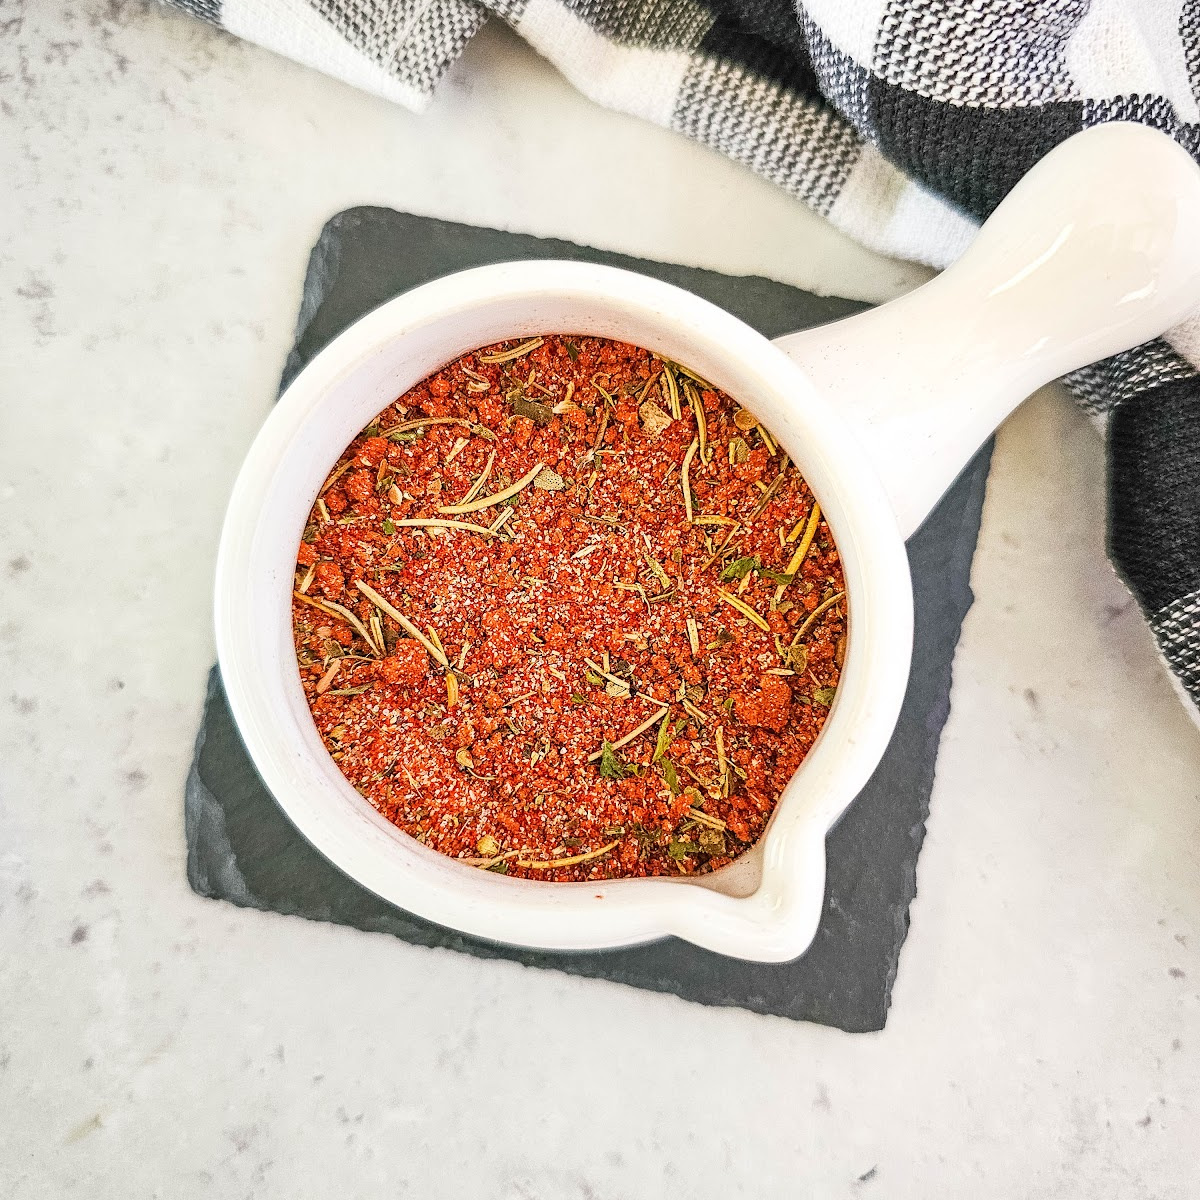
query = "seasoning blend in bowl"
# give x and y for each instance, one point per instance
(565, 611)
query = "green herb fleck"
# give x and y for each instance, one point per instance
(679, 850)
(670, 776)
(824, 696)
(389, 527)
(712, 841)
(576, 698)
(611, 766)
(664, 738)
(593, 679)
(643, 836)
(540, 414)
(741, 567)
(572, 351)
(775, 576)
(797, 658)
(501, 867)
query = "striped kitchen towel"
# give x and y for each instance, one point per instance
(905, 122)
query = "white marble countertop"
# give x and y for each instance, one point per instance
(160, 186)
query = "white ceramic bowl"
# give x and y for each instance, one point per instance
(878, 412)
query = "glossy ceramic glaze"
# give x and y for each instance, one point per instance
(1096, 250)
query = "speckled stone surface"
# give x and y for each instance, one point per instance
(242, 848)
(158, 180)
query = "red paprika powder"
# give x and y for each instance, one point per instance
(565, 611)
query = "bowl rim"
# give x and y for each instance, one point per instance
(778, 919)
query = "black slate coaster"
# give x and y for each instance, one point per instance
(243, 849)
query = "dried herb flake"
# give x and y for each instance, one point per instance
(780, 577)
(540, 414)
(664, 738)
(670, 775)
(611, 765)
(741, 567)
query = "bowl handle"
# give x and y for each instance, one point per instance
(1095, 250)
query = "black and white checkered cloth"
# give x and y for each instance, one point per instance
(905, 122)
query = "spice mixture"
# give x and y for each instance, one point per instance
(565, 611)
